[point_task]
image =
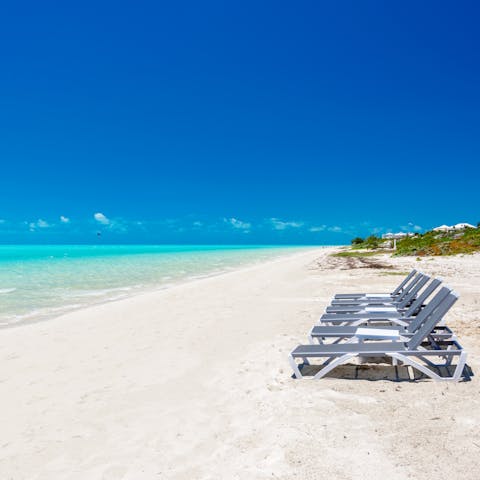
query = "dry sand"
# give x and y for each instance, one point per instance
(193, 383)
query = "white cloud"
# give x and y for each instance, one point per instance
(42, 223)
(238, 224)
(319, 228)
(64, 219)
(411, 226)
(282, 225)
(117, 225)
(326, 228)
(32, 226)
(101, 218)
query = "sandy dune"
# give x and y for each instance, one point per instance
(193, 383)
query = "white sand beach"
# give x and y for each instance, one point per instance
(193, 382)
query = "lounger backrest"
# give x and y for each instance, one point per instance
(420, 300)
(408, 288)
(423, 315)
(432, 321)
(404, 282)
(409, 297)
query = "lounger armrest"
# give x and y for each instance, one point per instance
(363, 333)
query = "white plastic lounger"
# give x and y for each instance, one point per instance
(405, 299)
(373, 313)
(438, 307)
(417, 309)
(407, 308)
(412, 351)
(397, 290)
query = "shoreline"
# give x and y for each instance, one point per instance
(59, 311)
(193, 382)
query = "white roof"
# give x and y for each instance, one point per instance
(394, 235)
(463, 225)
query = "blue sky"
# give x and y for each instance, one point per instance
(237, 122)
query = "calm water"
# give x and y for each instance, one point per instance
(42, 281)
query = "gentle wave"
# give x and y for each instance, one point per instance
(7, 290)
(98, 293)
(38, 314)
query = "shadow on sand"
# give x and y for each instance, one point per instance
(374, 372)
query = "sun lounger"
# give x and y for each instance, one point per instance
(408, 295)
(438, 307)
(373, 313)
(405, 296)
(392, 295)
(413, 351)
(375, 317)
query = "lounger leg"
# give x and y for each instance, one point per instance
(335, 363)
(418, 366)
(460, 366)
(429, 362)
(449, 357)
(296, 370)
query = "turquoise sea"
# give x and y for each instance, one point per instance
(41, 281)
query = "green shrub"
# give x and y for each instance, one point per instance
(372, 241)
(357, 241)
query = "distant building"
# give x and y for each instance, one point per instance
(461, 226)
(458, 226)
(443, 228)
(390, 236)
(395, 237)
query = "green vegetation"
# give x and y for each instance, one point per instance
(419, 245)
(371, 242)
(440, 243)
(357, 241)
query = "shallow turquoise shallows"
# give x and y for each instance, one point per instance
(40, 281)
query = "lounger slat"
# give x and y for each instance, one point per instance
(373, 349)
